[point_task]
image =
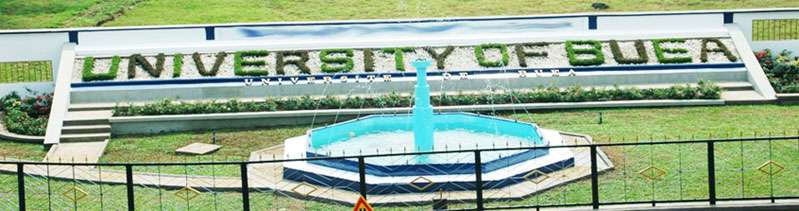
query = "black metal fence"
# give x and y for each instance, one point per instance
(29, 71)
(775, 29)
(650, 173)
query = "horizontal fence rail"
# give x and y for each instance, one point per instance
(653, 173)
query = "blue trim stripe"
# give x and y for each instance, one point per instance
(378, 76)
(73, 37)
(210, 33)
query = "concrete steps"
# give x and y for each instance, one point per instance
(81, 129)
(76, 152)
(84, 136)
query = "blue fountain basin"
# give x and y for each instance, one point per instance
(383, 134)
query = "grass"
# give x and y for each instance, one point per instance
(11, 150)
(31, 71)
(62, 13)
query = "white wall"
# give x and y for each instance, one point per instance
(682, 22)
(21, 88)
(33, 47)
(744, 20)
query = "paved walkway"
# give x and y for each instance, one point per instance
(263, 177)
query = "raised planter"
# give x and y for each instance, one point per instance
(193, 122)
(788, 98)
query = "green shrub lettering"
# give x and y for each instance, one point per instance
(441, 58)
(639, 49)
(720, 48)
(399, 56)
(661, 52)
(522, 54)
(595, 51)
(88, 70)
(335, 64)
(250, 63)
(220, 58)
(282, 61)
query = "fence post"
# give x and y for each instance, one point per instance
(478, 179)
(21, 185)
(362, 176)
(594, 179)
(129, 184)
(711, 173)
(245, 188)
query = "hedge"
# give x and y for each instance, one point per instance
(335, 64)
(220, 58)
(368, 60)
(281, 61)
(441, 58)
(240, 61)
(399, 57)
(139, 60)
(523, 55)
(479, 52)
(660, 52)
(720, 48)
(177, 65)
(596, 50)
(540, 95)
(88, 70)
(619, 56)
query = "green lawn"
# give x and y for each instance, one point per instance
(63, 13)
(11, 150)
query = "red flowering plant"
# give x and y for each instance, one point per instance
(782, 70)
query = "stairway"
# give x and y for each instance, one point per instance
(84, 136)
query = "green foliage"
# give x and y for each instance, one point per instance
(282, 62)
(399, 56)
(441, 58)
(522, 54)
(258, 67)
(782, 70)
(479, 53)
(720, 48)
(368, 60)
(335, 64)
(595, 50)
(177, 65)
(220, 58)
(26, 116)
(619, 57)
(88, 70)
(139, 60)
(541, 95)
(661, 52)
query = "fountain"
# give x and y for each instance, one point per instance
(424, 131)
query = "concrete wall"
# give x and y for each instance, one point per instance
(744, 20)
(198, 122)
(22, 88)
(145, 93)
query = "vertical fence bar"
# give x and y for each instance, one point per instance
(129, 184)
(21, 186)
(594, 180)
(478, 180)
(245, 188)
(711, 173)
(362, 176)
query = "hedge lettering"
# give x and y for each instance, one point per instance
(595, 51)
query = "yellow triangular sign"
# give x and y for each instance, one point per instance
(362, 205)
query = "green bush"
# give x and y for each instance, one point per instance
(335, 64)
(782, 70)
(368, 60)
(177, 65)
(596, 50)
(281, 61)
(704, 90)
(660, 52)
(721, 48)
(26, 116)
(479, 52)
(139, 60)
(523, 55)
(220, 58)
(619, 57)
(441, 58)
(240, 61)
(88, 70)
(399, 57)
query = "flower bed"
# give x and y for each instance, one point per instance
(782, 70)
(540, 95)
(477, 57)
(26, 116)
